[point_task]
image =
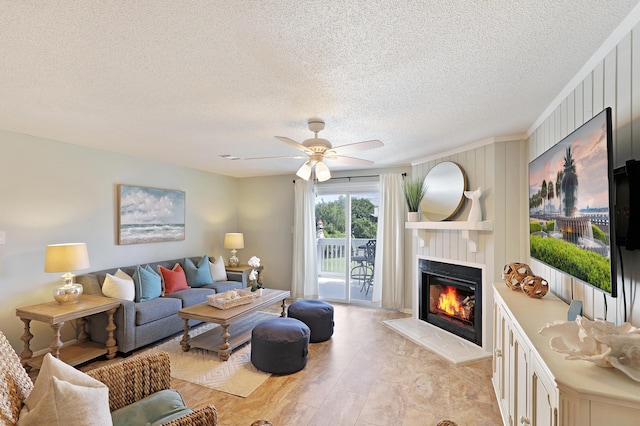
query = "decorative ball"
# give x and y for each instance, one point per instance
(535, 286)
(513, 273)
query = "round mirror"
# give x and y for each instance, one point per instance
(445, 185)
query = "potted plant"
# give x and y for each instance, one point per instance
(414, 191)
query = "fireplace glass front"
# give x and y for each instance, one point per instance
(451, 298)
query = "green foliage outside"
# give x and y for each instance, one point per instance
(583, 264)
(534, 227)
(599, 234)
(332, 214)
(551, 225)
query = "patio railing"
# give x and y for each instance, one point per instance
(332, 253)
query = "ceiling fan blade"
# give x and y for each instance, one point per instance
(356, 147)
(348, 160)
(294, 144)
(297, 157)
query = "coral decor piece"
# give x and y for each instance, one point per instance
(535, 286)
(514, 273)
(600, 342)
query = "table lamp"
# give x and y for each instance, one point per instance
(233, 241)
(66, 258)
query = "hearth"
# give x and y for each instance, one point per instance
(451, 298)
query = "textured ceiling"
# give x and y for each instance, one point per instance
(186, 82)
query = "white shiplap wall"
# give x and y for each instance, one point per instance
(497, 167)
(614, 82)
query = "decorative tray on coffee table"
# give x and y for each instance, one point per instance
(230, 299)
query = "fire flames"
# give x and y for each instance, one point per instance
(449, 302)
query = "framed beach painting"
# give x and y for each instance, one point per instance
(150, 215)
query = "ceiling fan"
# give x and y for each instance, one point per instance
(319, 150)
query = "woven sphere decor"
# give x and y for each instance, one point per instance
(534, 286)
(513, 273)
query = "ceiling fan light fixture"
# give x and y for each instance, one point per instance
(304, 172)
(322, 172)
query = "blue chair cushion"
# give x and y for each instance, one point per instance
(156, 409)
(192, 296)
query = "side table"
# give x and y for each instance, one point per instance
(245, 270)
(55, 315)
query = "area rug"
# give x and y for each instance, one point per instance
(236, 376)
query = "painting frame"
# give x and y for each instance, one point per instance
(150, 215)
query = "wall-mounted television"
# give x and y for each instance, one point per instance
(571, 196)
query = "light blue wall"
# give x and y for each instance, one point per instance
(52, 192)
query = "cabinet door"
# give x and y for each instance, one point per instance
(520, 374)
(501, 362)
(544, 397)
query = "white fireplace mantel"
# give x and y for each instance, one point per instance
(469, 230)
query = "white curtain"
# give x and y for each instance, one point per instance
(388, 277)
(304, 280)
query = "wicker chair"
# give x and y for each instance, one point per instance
(128, 381)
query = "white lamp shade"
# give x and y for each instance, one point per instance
(66, 257)
(322, 172)
(304, 172)
(233, 240)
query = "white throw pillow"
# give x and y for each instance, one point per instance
(119, 286)
(65, 396)
(218, 273)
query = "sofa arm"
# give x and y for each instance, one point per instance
(205, 416)
(134, 378)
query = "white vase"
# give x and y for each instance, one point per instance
(413, 217)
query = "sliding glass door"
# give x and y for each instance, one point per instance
(346, 227)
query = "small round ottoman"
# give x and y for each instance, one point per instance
(318, 315)
(280, 345)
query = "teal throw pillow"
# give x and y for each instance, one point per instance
(199, 275)
(147, 282)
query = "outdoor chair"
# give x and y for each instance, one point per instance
(362, 271)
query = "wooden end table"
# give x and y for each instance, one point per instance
(243, 270)
(56, 315)
(221, 339)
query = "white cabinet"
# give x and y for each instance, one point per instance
(537, 386)
(524, 398)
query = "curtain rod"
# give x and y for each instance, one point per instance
(355, 177)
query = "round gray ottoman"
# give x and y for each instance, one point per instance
(280, 345)
(318, 315)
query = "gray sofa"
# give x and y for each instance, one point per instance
(143, 323)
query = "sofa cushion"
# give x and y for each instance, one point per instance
(172, 279)
(148, 284)
(158, 408)
(192, 296)
(119, 286)
(222, 286)
(218, 271)
(64, 396)
(200, 274)
(158, 308)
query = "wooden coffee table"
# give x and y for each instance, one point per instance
(236, 323)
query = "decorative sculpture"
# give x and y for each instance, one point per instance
(513, 273)
(535, 286)
(475, 215)
(599, 342)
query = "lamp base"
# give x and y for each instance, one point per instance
(67, 294)
(234, 261)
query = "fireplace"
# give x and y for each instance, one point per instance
(450, 297)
